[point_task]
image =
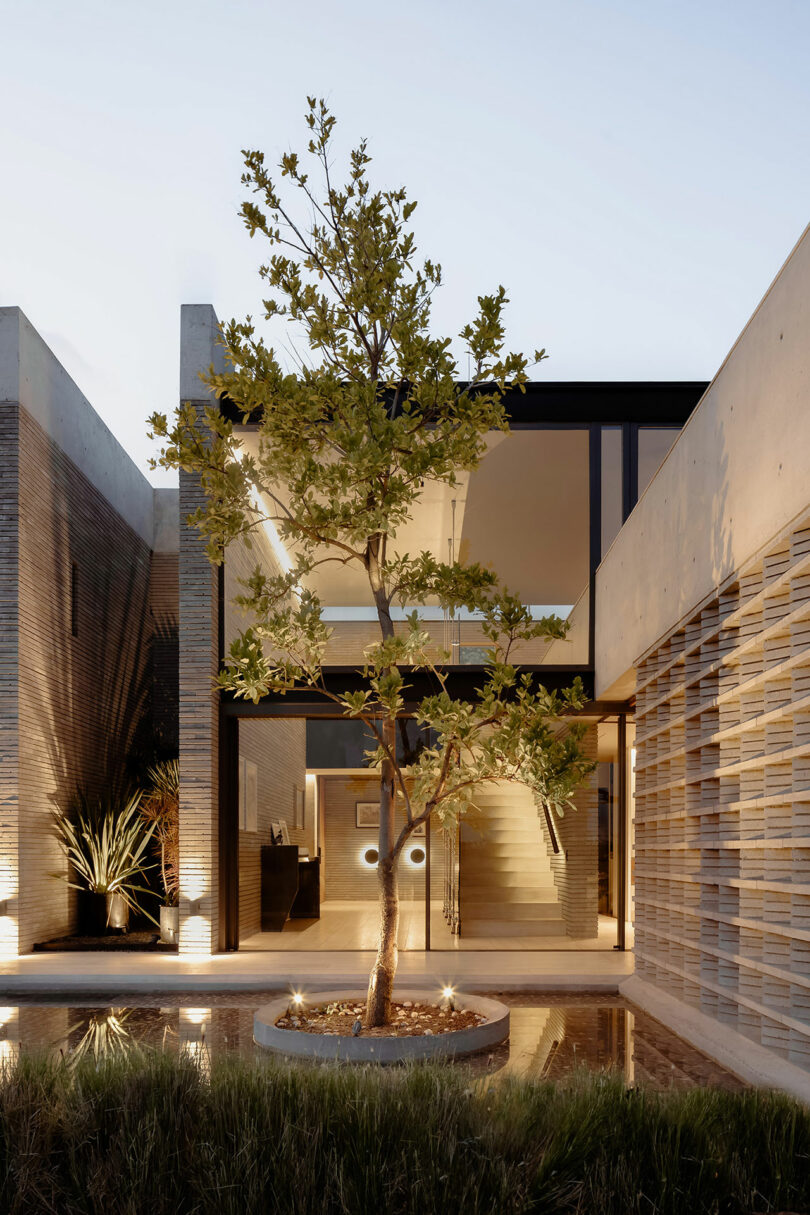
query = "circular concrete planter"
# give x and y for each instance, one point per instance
(382, 1050)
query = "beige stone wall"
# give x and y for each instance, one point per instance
(723, 802)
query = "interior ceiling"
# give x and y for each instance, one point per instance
(523, 512)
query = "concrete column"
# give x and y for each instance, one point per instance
(198, 727)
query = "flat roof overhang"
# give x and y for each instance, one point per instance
(563, 403)
(462, 684)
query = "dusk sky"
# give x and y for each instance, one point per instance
(634, 173)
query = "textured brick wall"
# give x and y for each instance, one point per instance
(199, 734)
(9, 753)
(164, 590)
(346, 875)
(82, 699)
(576, 866)
(278, 749)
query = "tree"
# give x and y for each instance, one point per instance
(346, 446)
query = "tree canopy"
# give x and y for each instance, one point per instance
(374, 410)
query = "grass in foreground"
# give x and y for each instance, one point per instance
(151, 1134)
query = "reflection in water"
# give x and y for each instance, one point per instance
(103, 1035)
(547, 1042)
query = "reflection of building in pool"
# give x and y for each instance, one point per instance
(545, 1042)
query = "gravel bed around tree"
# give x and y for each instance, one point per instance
(408, 1019)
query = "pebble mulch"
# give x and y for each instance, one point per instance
(408, 1020)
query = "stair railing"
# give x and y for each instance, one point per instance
(452, 903)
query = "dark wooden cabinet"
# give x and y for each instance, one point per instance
(290, 888)
(307, 905)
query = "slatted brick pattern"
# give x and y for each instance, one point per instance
(164, 591)
(81, 698)
(9, 641)
(199, 733)
(723, 803)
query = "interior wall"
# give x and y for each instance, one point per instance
(278, 749)
(346, 876)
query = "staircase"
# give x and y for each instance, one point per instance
(506, 885)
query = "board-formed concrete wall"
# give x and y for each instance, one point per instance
(735, 477)
(32, 377)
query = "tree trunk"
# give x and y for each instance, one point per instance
(381, 980)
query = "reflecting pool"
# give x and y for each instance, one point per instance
(551, 1035)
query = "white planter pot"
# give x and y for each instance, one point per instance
(170, 925)
(117, 912)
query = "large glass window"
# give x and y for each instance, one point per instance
(654, 443)
(524, 512)
(611, 485)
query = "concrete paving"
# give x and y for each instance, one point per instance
(547, 970)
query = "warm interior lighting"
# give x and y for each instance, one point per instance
(369, 857)
(196, 1016)
(9, 935)
(416, 856)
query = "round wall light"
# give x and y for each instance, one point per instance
(417, 856)
(370, 857)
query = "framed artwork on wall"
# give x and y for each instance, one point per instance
(367, 814)
(251, 796)
(418, 832)
(299, 808)
(242, 793)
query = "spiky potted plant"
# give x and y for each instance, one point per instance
(105, 847)
(160, 810)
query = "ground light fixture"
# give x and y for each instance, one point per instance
(447, 998)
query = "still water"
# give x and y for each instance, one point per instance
(550, 1035)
